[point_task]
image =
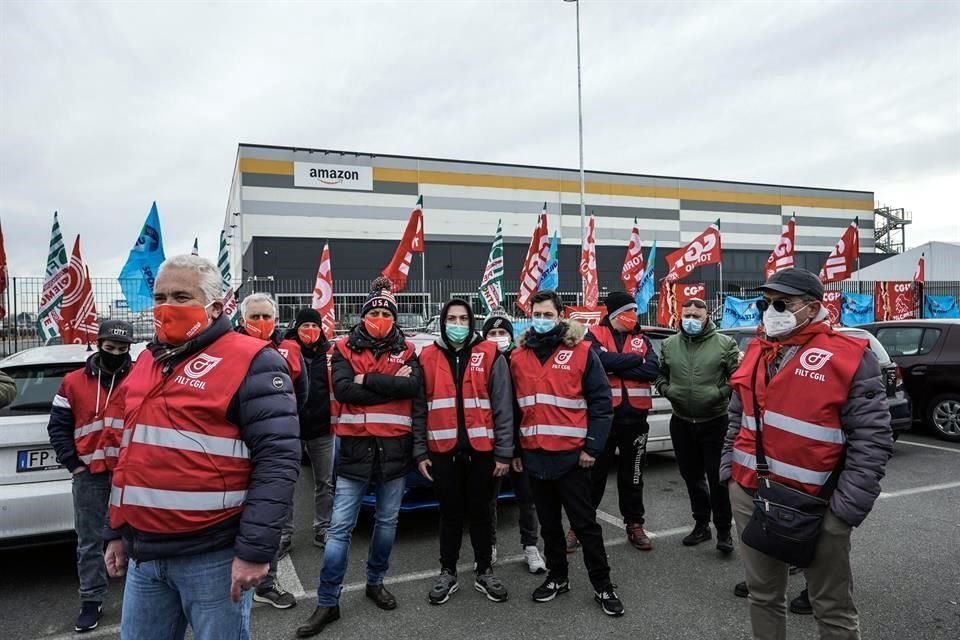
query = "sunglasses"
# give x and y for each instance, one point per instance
(694, 303)
(778, 305)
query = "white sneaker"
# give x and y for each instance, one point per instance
(493, 555)
(535, 561)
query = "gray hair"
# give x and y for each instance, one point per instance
(257, 297)
(211, 280)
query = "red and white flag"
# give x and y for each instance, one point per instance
(703, 250)
(842, 260)
(537, 255)
(323, 294)
(919, 274)
(411, 243)
(588, 266)
(78, 313)
(782, 256)
(632, 270)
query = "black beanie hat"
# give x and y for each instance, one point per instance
(381, 298)
(306, 315)
(497, 319)
(619, 301)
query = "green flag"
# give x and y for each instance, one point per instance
(491, 287)
(54, 285)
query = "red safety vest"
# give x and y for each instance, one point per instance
(551, 397)
(290, 350)
(639, 395)
(442, 423)
(802, 435)
(334, 404)
(386, 420)
(96, 434)
(183, 465)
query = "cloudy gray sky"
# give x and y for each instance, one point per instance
(106, 107)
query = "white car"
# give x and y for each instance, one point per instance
(36, 500)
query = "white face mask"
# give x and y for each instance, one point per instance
(779, 323)
(503, 343)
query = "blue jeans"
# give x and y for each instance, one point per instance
(347, 498)
(162, 597)
(91, 495)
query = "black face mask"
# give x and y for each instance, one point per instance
(111, 362)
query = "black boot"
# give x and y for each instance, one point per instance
(740, 590)
(381, 597)
(724, 541)
(700, 533)
(322, 616)
(801, 604)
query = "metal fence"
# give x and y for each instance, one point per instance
(418, 303)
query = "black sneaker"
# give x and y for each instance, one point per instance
(550, 589)
(320, 539)
(724, 542)
(609, 601)
(741, 590)
(801, 604)
(89, 616)
(275, 596)
(700, 533)
(490, 586)
(444, 586)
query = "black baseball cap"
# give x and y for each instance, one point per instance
(795, 282)
(115, 330)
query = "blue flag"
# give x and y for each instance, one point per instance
(550, 277)
(941, 307)
(646, 288)
(136, 278)
(739, 312)
(857, 308)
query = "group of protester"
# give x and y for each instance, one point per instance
(185, 461)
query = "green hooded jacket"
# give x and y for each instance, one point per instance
(695, 373)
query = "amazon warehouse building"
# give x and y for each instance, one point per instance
(285, 203)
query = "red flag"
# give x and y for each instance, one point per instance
(78, 313)
(918, 276)
(832, 302)
(588, 266)
(672, 297)
(411, 243)
(537, 255)
(3, 277)
(633, 263)
(893, 301)
(323, 294)
(587, 316)
(782, 256)
(843, 259)
(703, 250)
(229, 302)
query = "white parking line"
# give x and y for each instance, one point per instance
(288, 578)
(925, 489)
(927, 446)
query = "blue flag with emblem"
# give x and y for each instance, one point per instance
(550, 278)
(857, 308)
(941, 307)
(646, 288)
(740, 312)
(136, 278)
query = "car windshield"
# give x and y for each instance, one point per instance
(875, 344)
(36, 386)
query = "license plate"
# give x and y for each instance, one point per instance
(37, 460)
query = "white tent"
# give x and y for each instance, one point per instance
(941, 262)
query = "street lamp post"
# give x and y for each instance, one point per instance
(583, 210)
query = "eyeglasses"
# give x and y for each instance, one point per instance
(779, 305)
(694, 303)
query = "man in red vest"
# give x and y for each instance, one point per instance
(86, 421)
(466, 443)
(209, 458)
(564, 396)
(378, 385)
(258, 319)
(631, 364)
(819, 399)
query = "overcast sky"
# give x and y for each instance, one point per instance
(107, 107)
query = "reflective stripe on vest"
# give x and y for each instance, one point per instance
(639, 393)
(554, 401)
(97, 429)
(171, 438)
(451, 403)
(182, 500)
(369, 418)
(553, 430)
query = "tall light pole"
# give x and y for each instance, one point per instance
(583, 209)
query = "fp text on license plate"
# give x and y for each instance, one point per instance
(36, 460)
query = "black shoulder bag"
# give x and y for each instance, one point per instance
(786, 523)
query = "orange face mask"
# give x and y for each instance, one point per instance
(378, 327)
(175, 324)
(308, 335)
(628, 319)
(262, 329)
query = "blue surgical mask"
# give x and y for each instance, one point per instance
(457, 332)
(543, 325)
(692, 326)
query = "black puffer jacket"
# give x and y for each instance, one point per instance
(315, 414)
(365, 458)
(267, 419)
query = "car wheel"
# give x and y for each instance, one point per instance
(944, 416)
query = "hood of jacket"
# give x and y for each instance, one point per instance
(571, 331)
(443, 341)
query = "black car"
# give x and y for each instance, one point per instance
(901, 414)
(928, 353)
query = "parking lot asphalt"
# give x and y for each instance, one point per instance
(906, 561)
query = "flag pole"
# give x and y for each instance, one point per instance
(423, 284)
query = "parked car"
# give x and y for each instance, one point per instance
(928, 353)
(35, 492)
(901, 413)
